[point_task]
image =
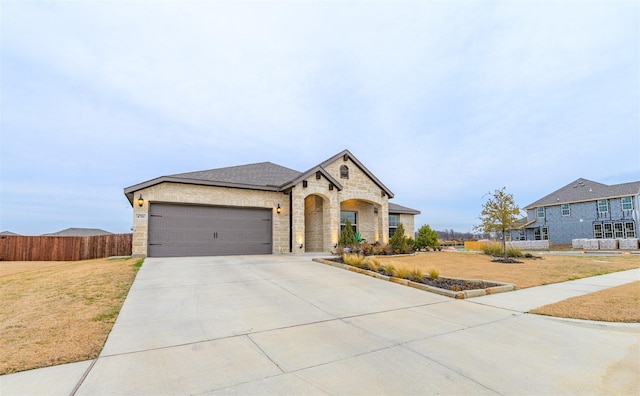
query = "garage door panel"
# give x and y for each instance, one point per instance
(187, 230)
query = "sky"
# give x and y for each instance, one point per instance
(442, 101)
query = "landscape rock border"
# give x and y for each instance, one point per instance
(501, 288)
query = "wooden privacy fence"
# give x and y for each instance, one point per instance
(63, 248)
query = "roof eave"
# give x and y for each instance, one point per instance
(130, 191)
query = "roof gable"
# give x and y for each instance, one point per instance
(583, 190)
(265, 176)
(346, 154)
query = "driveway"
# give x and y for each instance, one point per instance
(283, 324)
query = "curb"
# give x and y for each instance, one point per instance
(501, 288)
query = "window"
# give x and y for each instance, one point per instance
(630, 229)
(608, 230)
(618, 230)
(597, 231)
(627, 203)
(541, 234)
(393, 224)
(541, 212)
(523, 235)
(603, 206)
(344, 172)
(545, 233)
(351, 216)
(566, 210)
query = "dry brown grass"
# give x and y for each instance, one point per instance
(551, 269)
(59, 312)
(617, 304)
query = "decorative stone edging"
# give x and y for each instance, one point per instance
(503, 287)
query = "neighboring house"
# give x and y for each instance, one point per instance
(262, 208)
(583, 209)
(76, 232)
(9, 233)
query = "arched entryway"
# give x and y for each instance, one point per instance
(314, 223)
(365, 218)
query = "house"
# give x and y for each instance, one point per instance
(262, 208)
(79, 232)
(583, 209)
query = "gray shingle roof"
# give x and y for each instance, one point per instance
(263, 174)
(399, 209)
(583, 190)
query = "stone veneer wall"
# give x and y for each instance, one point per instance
(359, 188)
(205, 195)
(313, 223)
(407, 221)
(359, 192)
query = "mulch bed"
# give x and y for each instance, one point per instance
(457, 284)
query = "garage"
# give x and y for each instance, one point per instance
(194, 230)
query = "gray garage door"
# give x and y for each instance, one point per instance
(189, 230)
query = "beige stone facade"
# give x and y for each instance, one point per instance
(208, 195)
(310, 205)
(317, 206)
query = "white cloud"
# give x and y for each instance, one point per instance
(460, 97)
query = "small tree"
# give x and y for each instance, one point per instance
(398, 241)
(347, 237)
(499, 214)
(427, 238)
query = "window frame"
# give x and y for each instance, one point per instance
(540, 212)
(344, 172)
(354, 223)
(628, 202)
(607, 230)
(544, 231)
(629, 232)
(603, 206)
(522, 236)
(541, 234)
(618, 230)
(597, 231)
(393, 228)
(565, 210)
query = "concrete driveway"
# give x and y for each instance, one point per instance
(283, 324)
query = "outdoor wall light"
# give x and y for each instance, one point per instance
(301, 245)
(278, 209)
(140, 201)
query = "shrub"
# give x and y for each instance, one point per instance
(411, 244)
(373, 264)
(513, 252)
(389, 269)
(366, 248)
(381, 250)
(434, 273)
(402, 273)
(347, 237)
(427, 238)
(416, 275)
(492, 249)
(354, 259)
(398, 241)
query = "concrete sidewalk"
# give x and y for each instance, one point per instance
(286, 325)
